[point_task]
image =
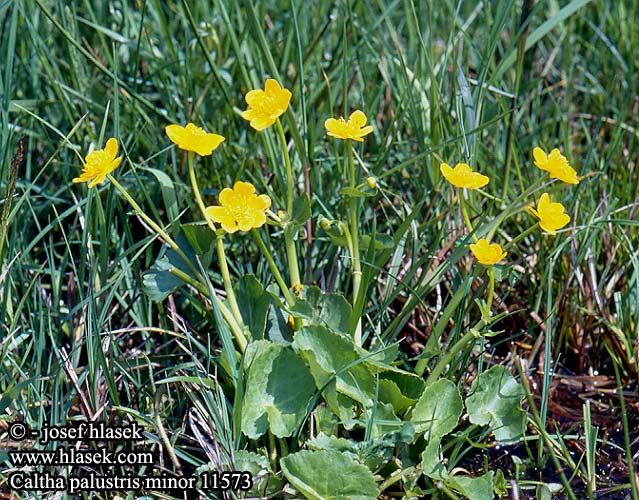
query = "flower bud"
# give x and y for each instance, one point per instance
(324, 223)
(372, 182)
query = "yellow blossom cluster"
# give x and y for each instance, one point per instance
(551, 215)
(240, 209)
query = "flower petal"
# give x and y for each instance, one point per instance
(540, 157)
(226, 196)
(243, 188)
(357, 118)
(271, 86)
(111, 147)
(175, 133)
(253, 97)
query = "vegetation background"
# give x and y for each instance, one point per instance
(477, 81)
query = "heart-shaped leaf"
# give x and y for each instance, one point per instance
(474, 488)
(329, 475)
(254, 303)
(271, 401)
(332, 357)
(438, 409)
(495, 400)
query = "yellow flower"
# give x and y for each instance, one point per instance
(266, 105)
(486, 253)
(551, 215)
(556, 165)
(193, 138)
(99, 163)
(352, 129)
(462, 176)
(241, 209)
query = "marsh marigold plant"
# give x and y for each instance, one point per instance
(556, 165)
(551, 214)
(193, 138)
(99, 163)
(240, 208)
(265, 106)
(354, 128)
(487, 253)
(462, 176)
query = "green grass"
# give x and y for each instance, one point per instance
(440, 82)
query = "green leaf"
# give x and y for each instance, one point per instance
(159, 283)
(253, 302)
(323, 309)
(438, 409)
(433, 461)
(327, 475)
(326, 422)
(301, 209)
(410, 385)
(277, 328)
(495, 400)
(168, 193)
(474, 488)
(270, 397)
(337, 236)
(333, 357)
(265, 482)
(201, 239)
(324, 442)
(382, 242)
(352, 192)
(389, 392)
(383, 420)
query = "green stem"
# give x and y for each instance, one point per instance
(226, 277)
(289, 168)
(221, 256)
(291, 257)
(464, 210)
(354, 227)
(291, 250)
(491, 288)
(276, 272)
(226, 314)
(449, 356)
(273, 447)
(395, 478)
(153, 225)
(462, 342)
(449, 493)
(520, 236)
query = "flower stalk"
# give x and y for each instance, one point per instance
(221, 255)
(354, 229)
(291, 251)
(153, 225)
(464, 211)
(276, 272)
(229, 316)
(226, 314)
